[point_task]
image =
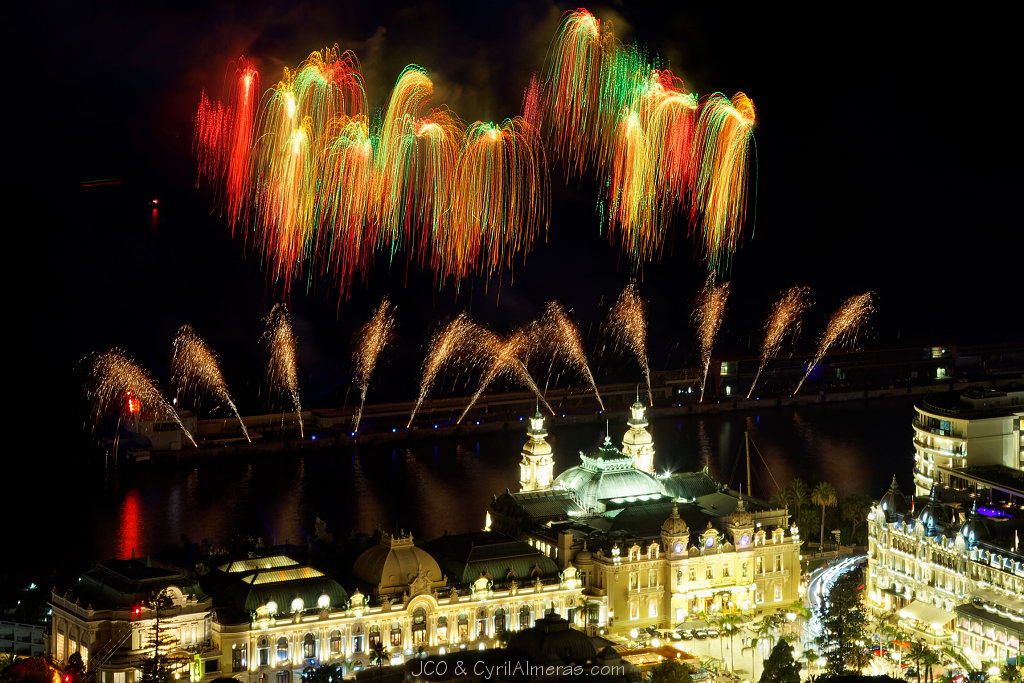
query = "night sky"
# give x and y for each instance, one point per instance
(888, 159)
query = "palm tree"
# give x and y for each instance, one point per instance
(825, 496)
(726, 624)
(929, 660)
(855, 511)
(379, 654)
(798, 496)
(917, 652)
(754, 642)
(1010, 673)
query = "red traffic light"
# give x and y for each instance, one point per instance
(138, 611)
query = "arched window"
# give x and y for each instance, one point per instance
(442, 629)
(463, 627)
(499, 620)
(309, 646)
(282, 648)
(524, 617)
(396, 634)
(374, 637)
(481, 623)
(263, 651)
(419, 626)
(335, 643)
(357, 640)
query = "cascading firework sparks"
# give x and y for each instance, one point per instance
(503, 357)
(446, 345)
(373, 337)
(842, 328)
(657, 148)
(561, 336)
(114, 382)
(784, 321)
(322, 185)
(627, 324)
(725, 132)
(282, 369)
(708, 314)
(194, 368)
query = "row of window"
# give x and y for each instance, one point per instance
(374, 636)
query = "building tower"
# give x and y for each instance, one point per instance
(638, 442)
(536, 469)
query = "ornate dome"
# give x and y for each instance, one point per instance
(740, 515)
(893, 502)
(584, 556)
(394, 563)
(608, 474)
(973, 530)
(551, 641)
(931, 515)
(536, 444)
(674, 525)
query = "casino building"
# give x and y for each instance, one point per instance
(649, 549)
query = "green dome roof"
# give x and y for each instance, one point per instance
(607, 474)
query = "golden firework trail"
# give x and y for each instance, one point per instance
(842, 328)
(503, 357)
(708, 314)
(447, 344)
(373, 337)
(784, 321)
(116, 385)
(627, 324)
(282, 369)
(559, 334)
(194, 368)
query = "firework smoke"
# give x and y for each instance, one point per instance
(559, 333)
(282, 368)
(842, 328)
(373, 337)
(194, 368)
(115, 382)
(708, 314)
(627, 323)
(783, 321)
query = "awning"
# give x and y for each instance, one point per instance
(926, 614)
(997, 598)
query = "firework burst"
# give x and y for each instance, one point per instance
(627, 325)
(447, 344)
(373, 337)
(116, 385)
(194, 369)
(282, 369)
(784, 321)
(503, 358)
(560, 335)
(842, 328)
(708, 314)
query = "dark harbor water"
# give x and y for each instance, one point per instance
(430, 486)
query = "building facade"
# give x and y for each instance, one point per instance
(269, 619)
(653, 550)
(953, 575)
(959, 435)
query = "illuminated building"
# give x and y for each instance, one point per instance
(968, 441)
(105, 619)
(952, 572)
(654, 550)
(270, 618)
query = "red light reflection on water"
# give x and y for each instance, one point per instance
(129, 533)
